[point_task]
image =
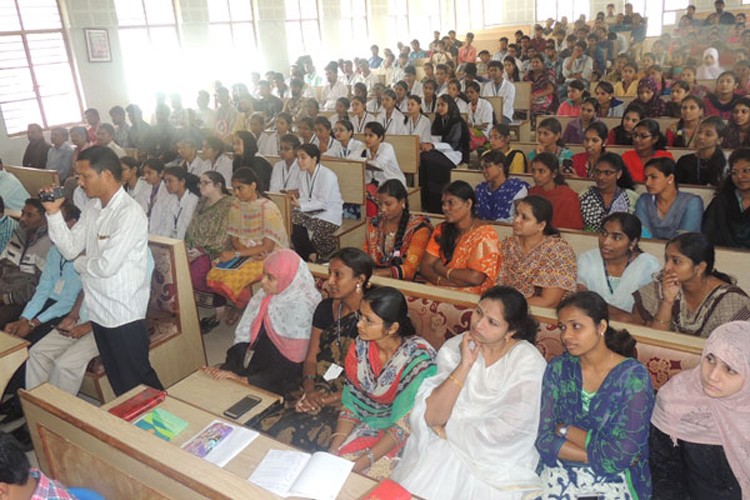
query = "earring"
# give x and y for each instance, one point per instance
(359, 288)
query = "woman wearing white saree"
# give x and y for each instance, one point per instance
(473, 424)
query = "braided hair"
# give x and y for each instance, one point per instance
(394, 188)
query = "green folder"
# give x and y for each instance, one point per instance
(162, 424)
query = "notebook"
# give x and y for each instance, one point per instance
(297, 474)
(219, 442)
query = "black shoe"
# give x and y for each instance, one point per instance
(24, 438)
(208, 324)
(14, 413)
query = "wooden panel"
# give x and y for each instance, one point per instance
(351, 176)
(283, 201)
(33, 179)
(675, 341)
(351, 233)
(13, 353)
(497, 107)
(140, 457)
(523, 96)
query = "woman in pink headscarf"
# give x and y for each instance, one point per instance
(271, 339)
(700, 432)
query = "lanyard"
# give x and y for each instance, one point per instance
(413, 126)
(286, 174)
(361, 123)
(312, 183)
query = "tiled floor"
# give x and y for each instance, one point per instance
(216, 342)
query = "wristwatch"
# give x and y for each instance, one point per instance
(563, 431)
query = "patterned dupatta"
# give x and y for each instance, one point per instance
(381, 395)
(379, 251)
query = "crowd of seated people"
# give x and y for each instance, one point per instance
(203, 175)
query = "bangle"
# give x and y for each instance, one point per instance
(661, 322)
(308, 377)
(448, 274)
(438, 280)
(337, 434)
(456, 381)
(370, 456)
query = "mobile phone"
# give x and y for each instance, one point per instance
(241, 407)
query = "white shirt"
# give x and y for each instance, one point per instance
(368, 80)
(417, 89)
(197, 166)
(285, 178)
(352, 150)
(320, 193)
(117, 149)
(331, 93)
(507, 91)
(159, 220)
(181, 214)
(223, 165)
(441, 89)
(140, 193)
(359, 124)
(79, 198)
(113, 268)
(386, 160)
(483, 114)
(422, 128)
(268, 144)
(393, 125)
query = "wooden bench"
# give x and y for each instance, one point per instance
(528, 147)
(176, 344)
(523, 97)
(438, 314)
(14, 352)
(34, 179)
(85, 446)
(578, 184)
(351, 177)
(406, 148)
(727, 259)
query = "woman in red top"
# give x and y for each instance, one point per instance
(648, 143)
(550, 184)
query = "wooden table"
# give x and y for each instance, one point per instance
(245, 463)
(13, 352)
(215, 396)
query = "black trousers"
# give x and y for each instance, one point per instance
(124, 353)
(434, 174)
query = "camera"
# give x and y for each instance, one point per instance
(56, 194)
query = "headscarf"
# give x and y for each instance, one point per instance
(286, 315)
(709, 72)
(655, 106)
(684, 411)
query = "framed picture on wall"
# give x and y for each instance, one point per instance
(97, 45)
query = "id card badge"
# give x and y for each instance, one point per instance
(59, 286)
(248, 357)
(333, 372)
(27, 268)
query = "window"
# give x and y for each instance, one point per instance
(398, 21)
(473, 20)
(571, 9)
(354, 32)
(36, 74)
(232, 38)
(302, 28)
(150, 44)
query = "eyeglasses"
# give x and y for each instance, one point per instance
(642, 136)
(205, 183)
(736, 173)
(604, 173)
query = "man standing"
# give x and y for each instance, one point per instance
(36, 152)
(726, 18)
(467, 53)
(113, 236)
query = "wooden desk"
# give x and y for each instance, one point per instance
(13, 352)
(82, 445)
(215, 396)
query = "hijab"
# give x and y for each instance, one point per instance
(655, 107)
(286, 315)
(684, 411)
(709, 72)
